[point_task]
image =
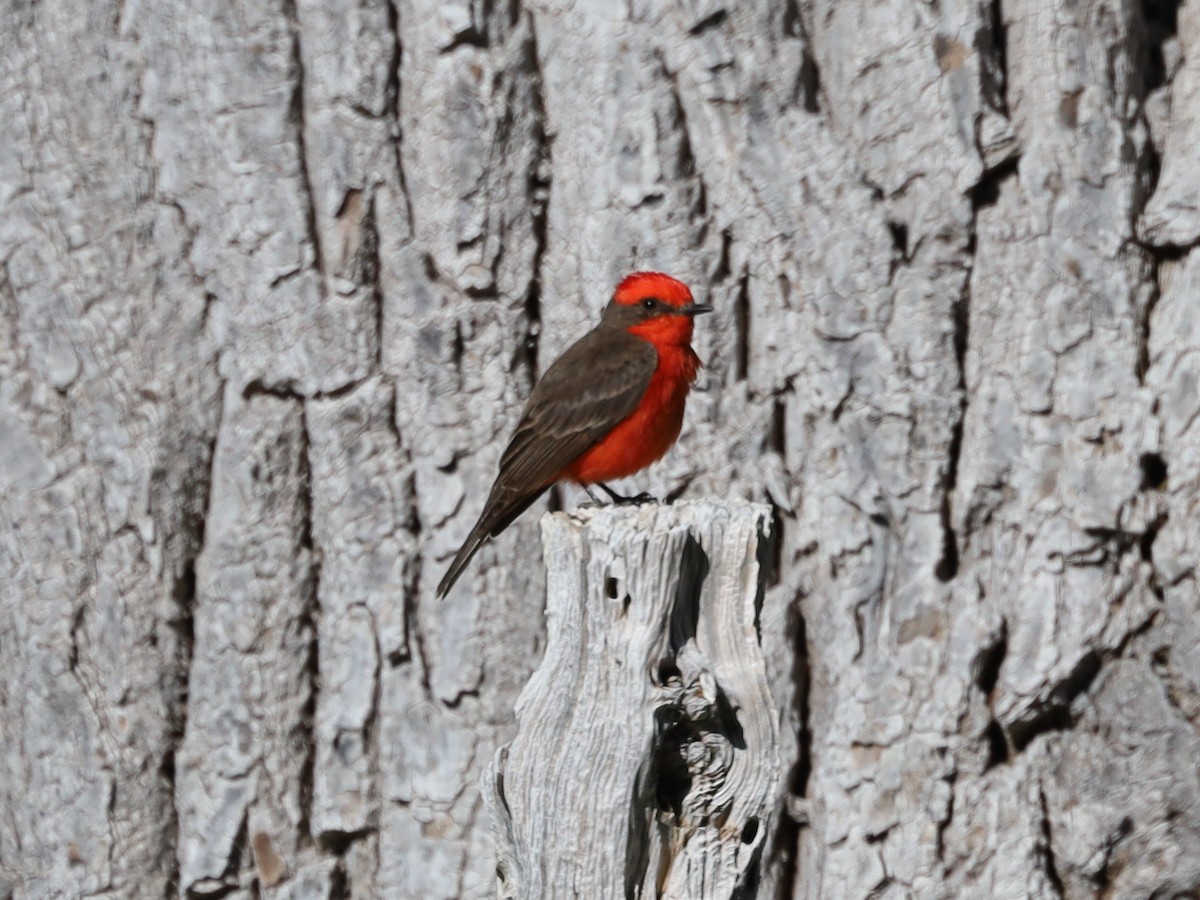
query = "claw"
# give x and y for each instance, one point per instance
(620, 499)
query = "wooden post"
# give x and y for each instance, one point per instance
(646, 761)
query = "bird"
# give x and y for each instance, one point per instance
(611, 405)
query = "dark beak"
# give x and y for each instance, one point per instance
(695, 309)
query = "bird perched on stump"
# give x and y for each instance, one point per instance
(608, 407)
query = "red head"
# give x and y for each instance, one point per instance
(656, 307)
(635, 288)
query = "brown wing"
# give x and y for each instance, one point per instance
(584, 394)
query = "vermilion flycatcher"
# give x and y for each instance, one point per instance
(608, 407)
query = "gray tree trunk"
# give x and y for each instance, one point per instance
(275, 278)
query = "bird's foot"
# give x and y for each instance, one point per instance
(621, 500)
(594, 501)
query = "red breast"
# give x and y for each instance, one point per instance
(649, 431)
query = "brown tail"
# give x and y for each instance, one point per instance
(498, 513)
(469, 548)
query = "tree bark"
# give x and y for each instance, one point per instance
(276, 277)
(646, 759)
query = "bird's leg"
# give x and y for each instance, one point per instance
(619, 499)
(596, 501)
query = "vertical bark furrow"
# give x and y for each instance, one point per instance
(361, 507)
(240, 768)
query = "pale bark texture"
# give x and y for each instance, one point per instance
(646, 761)
(277, 275)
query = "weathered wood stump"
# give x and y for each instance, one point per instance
(646, 761)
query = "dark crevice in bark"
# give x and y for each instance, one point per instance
(1146, 549)
(766, 557)
(776, 443)
(394, 95)
(713, 20)
(287, 389)
(339, 843)
(183, 624)
(284, 390)
(749, 831)
(899, 233)
(429, 265)
(339, 884)
(986, 192)
(1054, 713)
(777, 435)
(678, 490)
(414, 638)
(458, 350)
(190, 532)
(999, 750)
(809, 81)
(371, 265)
(297, 117)
(539, 185)
(944, 823)
(471, 36)
(1145, 314)
(723, 270)
(1158, 256)
(308, 619)
(10, 315)
(808, 76)
(210, 300)
(76, 627)
(457, 700)
(741, 322)
(371, 730)
(410, 583)
(684, 729)
(1146, 546)
(986, 667)
(1151, 171)
(793, 25)
(218, 891)
(993, 50)
(946, 568)
(990, 660)
(1154, 480)
(1046, 848)
(1104, 878)
(1109, 545)
(533, 314)
(786, 849)
(1154, 471)
(1161, 22)
(233, 866)
(676, 729)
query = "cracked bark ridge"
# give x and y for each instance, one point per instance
(250, 680)
(646, 760)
